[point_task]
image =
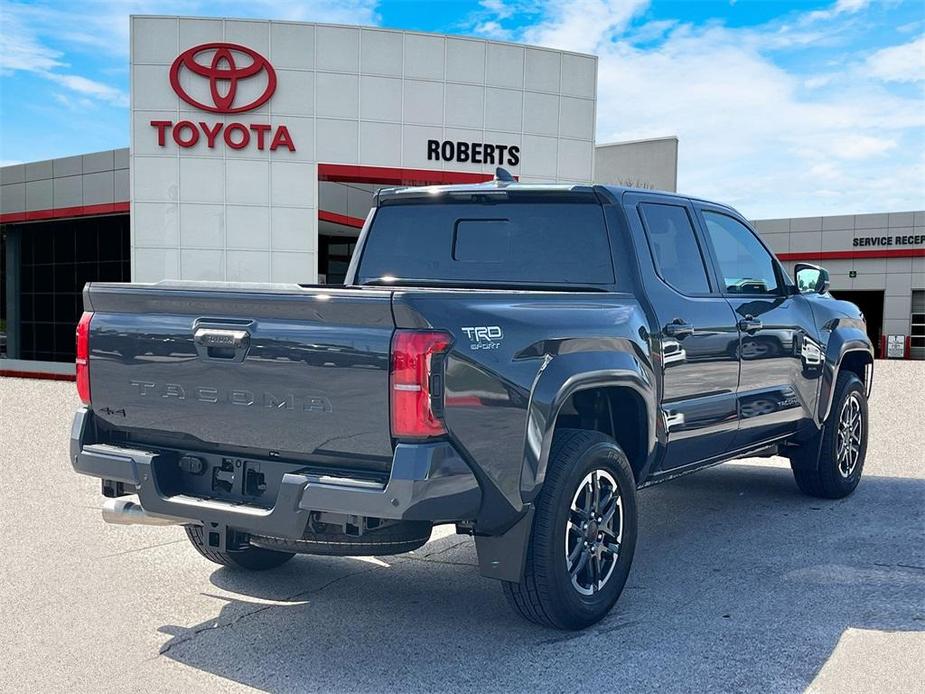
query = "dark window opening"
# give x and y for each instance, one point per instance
(871, 305)
(334, 258)
(917, 325)
(58, 258)
(3, 337)
(675, 248)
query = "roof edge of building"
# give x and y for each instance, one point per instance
(372, 27)
(639, 141)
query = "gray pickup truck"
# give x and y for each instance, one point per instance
(517, 360)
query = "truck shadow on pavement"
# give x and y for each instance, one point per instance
(739, 582)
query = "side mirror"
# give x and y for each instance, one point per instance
(811, 278)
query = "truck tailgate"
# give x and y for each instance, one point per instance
(276, 370)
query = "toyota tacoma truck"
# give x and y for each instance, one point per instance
(517, 360)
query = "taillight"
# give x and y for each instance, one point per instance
(416, 382)
(83, 357)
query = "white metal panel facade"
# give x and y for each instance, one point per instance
(208, 208)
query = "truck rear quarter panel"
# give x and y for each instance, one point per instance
(500, 408)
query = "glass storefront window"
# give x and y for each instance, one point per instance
(2, 293)
(57, 259)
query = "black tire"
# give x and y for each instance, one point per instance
(547, 594)
(817, 467)
(250, 558)
(396, 538)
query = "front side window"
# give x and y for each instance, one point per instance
(674, 245)
(746, 266)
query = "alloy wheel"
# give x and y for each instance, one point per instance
(849, 436)
(593, 532)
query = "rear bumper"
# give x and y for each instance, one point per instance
(428, 481)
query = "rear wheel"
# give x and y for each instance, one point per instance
(584, 534)
(249, 558)
(830, 464)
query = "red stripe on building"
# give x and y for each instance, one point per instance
(43, 375)
(355, 222)
(396, 176)
(856, 255)
(65, 212)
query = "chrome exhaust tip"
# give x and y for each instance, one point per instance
(126, 510)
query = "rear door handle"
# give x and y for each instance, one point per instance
(679, 328)
(749, 324)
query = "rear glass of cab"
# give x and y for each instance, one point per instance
(529, 238)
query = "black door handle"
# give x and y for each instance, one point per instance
(679, 328)
(749, 324)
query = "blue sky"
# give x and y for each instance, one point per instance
(782, 108)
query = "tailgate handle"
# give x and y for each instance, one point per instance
(222, 344)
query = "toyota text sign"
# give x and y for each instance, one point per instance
(223, 78)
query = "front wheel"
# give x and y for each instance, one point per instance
(829, 465)
(584, 534)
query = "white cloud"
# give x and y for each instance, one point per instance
(492, 29)
(498, 8)
(581, 25)
(749, 132)
(903, 63)
(72, 103)
(20, 49)
(89, 88)
(24, 48)
(839, 8)
(769, 139)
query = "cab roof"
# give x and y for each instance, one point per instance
(501, 188)
(486, 188)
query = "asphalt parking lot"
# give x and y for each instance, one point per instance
(739, 583)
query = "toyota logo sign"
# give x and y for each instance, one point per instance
(224, 66)
(223, 74)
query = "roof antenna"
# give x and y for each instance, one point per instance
(503, 176)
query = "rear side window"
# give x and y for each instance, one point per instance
(675, 248)
(536, 242)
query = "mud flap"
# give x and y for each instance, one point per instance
(503, 557)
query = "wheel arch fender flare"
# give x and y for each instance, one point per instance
(566, 374)
(843, 340)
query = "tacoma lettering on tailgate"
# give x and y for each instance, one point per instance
(234, 396)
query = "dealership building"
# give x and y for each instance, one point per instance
(256, 148)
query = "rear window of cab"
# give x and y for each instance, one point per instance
(533, 240)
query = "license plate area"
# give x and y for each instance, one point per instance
(239, 477)
(230, 478)
(224, 478)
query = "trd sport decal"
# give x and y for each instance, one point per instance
(484, 336)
